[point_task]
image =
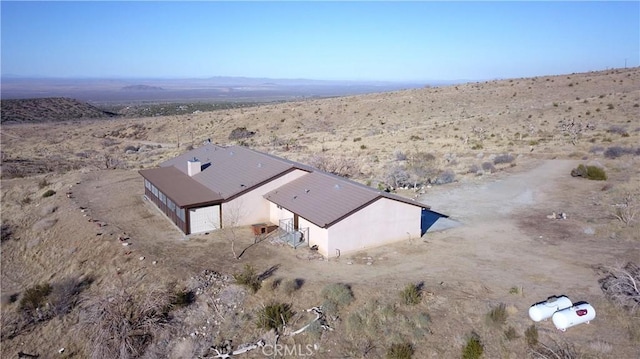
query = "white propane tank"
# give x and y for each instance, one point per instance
(578, 314)
(544, 310)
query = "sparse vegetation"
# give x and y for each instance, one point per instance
(35, 297)
(511, 333)
(240, 133)
(274, 316)
(474, 348)
(400, 351)
(621, 285)
(504, 158)
(48, 193)
(589, 172)
(336, 296)
(498, 314)
(531, 335)
(410, 294)
(249, 278)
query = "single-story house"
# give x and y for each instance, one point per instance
(211, 187)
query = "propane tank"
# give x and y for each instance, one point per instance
(544, 310)
(577, 314)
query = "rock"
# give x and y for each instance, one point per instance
(141, 258)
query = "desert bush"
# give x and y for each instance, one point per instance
(122, 325)
(503, 158)
(399, 155)
(249, 278)
(596, 149)
(621, 285)
(48, 193)
(240, 133)
(398, 176)
(590, 172)
(6, 232)
(626, 209)
(410, 294)
(35, 297)
(131, 148)
(531, 335)
(65, 294)
(618, 151)
(292, 285)
(511, 333)
(498, 314)
(617, 130)
(445, 177)
(402, 350)
(474, 348)
(555, 350)
(336, 296)
(474, 169)
(43, 183)
(488, 167)
(183, 298)
(338, 165)
(274, 316)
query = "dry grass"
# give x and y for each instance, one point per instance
(458, 131)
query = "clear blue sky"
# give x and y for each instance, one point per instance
(396, 41)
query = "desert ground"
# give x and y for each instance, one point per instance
(495, 156)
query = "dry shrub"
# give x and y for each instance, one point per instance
(44, 224)
(6, 232)
(498, 314)
(249, 278)
(240, 133)
(123, 324)
(337, 296)
(626, 209)
(555, 350)
(531, 335)
(400, 351)
(410, 294)
(337, 165)
(503, 158)
(621, 285)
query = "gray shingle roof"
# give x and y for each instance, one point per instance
(325, 199)
(226, 172)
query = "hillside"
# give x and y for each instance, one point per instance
(495, 156)
(48, 110)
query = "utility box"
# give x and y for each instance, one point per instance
(260, 228)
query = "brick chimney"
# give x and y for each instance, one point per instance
(193, 167)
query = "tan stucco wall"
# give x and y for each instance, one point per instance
(317, 236)
(251, 207)
(382, 222)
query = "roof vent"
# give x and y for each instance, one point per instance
(230, 153)
(307, 190)
(336, 186)
(259, 164)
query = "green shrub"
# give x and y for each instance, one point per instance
(35, 297)
(498, 315)
(249, 278)
(48, 193)
(531, 336)
(274, 316)
(410, 294)
(474, 348)
(400, 351)
(590, 172)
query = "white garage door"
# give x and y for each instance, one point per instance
(204, 219)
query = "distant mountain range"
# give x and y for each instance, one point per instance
(213, 89)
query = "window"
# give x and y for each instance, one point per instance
(180, 213)
(171, 205)
(147, 184)
(163, 198)
(154, 190)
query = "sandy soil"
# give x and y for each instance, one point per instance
(470, 267)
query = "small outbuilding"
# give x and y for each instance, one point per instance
(211, 187)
